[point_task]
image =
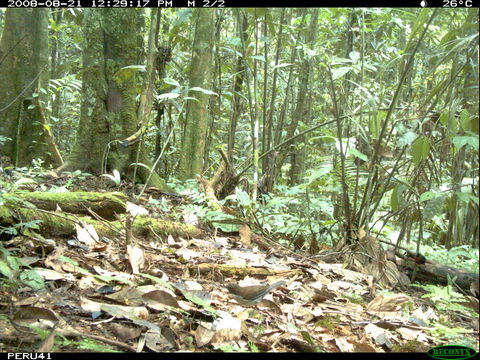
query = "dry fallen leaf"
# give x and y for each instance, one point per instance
(391, 303)
(87, 234)
(245, 234)
(136, 257)
(124, 332)
(156, 299)
(136, 210)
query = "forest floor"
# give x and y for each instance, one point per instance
(164, 293)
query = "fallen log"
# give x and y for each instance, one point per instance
(16, 209)
(106, 205)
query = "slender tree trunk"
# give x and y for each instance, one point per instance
(237, 105)
(193, 144)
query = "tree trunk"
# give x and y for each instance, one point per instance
(23, 72)
(193, 144)
(108, 117)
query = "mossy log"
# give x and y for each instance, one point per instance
(106, 205)
(54, 223)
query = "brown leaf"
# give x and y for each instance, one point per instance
(136, 258)
(204, 334)
(159, 297)
(392, 303)
(87, 234)
(245, 234)
(125, 333)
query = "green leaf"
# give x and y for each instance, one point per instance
(354, 56)
(466, 197)
(171, 81)
(407, 138)
(258, 57)
(233, 41)
(461, 141)
(32, 279)
(205, 91)
(475, 124)
(376, 124)
(420, 149)
(465, 120)
(339, 72)
(157, 280)
(421, 19)
(5, 270)
(443, 118)
(127, 72)
(427, 196)
(358, 154)
(198, 301)
(168, 96)
(233, 51)
(142, 165)
(394, 201)
(115, 178)
(133, 67)
(282, 65)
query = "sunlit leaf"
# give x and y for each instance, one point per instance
(420, 149)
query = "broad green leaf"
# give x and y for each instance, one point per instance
(443, 118)
(428, 195)
(205, 91)
(339, 72)
(420, 149)
(466, 197)
(394, 203)
(141, 164)
(233, 41)
(407, 138)
(258, 57)
(358, 154)
(238, 53)
(474, 124)
(157, 280)
(452, 125)
(355, 56)
(168, 96)
(171, 81)
(461, 141)
(375, 124)
(465, 120)
(5, 270)
(32, 279)
(127, 72)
